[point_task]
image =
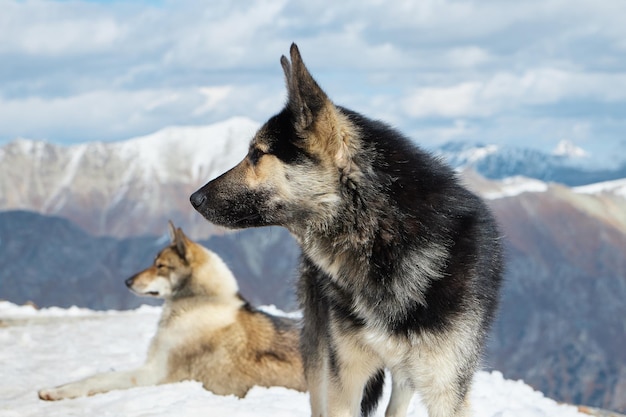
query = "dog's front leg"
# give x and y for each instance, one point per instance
(316, 378)
(351, 364)
(401, 395)
(344, 398)
(101, 383)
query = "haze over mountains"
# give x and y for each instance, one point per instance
(76, 221)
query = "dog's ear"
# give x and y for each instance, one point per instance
(172, 230)
(305, 97)
(180, 242)
(315, 115)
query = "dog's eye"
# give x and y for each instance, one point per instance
(255, 155)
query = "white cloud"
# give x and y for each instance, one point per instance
(459, 100)
(111, 70)
(213, 97)
(467, 57)
(55, 29)
(505, 92)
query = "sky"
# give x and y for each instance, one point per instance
(531, 73)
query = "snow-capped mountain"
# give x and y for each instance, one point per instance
(567, 164)
(568, 149)
(617, 188)
(132, 187)
(122, 188)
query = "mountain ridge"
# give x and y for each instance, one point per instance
(122, 188)
(129, 188)
(498, 162)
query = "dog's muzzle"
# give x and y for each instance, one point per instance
(129, 282)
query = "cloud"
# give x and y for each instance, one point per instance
(114, 114)
(54, 29)
(213, 97)
(506, 92)
(78, 70)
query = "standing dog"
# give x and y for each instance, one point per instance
(207, 332)
(401, 265)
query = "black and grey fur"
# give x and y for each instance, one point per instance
(401, 265)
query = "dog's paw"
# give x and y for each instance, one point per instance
(56, 394)
(49, 394)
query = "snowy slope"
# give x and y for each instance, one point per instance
(207, 151)
(53, 346)
(123, 188)
(617, 187)
(513, 186)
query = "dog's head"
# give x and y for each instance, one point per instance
(170, 270)
(296, 167)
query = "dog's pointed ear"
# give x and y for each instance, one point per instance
(315, 115)
(180, 242)
(305, 97)
(172, 230)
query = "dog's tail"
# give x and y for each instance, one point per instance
(372, 393)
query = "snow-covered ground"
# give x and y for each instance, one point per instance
(43, 348)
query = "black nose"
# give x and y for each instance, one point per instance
(197, 199)
(129, 282)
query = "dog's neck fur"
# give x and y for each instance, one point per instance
(210, 283)
(344, 242)
(210, 277)
(363, 231)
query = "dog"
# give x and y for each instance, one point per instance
(207, 332)
(401, 265)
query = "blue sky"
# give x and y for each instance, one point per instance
(529, 73)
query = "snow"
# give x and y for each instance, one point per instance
(616, 187)
(207, 151)
(513, 186)
(43, 348)
(569, 149)
(478, 153)
(221, 144)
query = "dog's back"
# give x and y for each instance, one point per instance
(254, 349)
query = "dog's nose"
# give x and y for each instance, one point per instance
(197, 199)
(129, 282)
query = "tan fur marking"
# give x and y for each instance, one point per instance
(265, 172)
(333, 136)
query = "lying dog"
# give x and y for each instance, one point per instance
(207, 332)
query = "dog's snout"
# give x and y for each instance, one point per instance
(129, 282)
(197, 199)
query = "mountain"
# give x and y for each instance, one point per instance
(131, 188)
(124, 188)
(568, 164)
(561, 322)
